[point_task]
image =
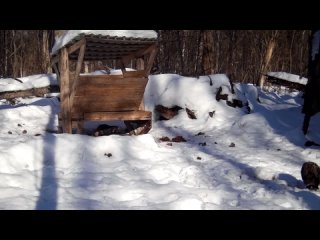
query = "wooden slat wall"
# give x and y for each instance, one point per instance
(109, 93)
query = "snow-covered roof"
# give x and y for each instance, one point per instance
(134, 36)
(288, 77)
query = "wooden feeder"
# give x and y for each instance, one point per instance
(103, 97)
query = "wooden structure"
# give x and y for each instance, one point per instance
(103, 97)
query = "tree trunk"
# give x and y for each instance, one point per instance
(207, 52)
(268, 55)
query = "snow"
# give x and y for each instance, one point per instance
(40, 169)
(25, 83)
(289, 77)
(70, 35)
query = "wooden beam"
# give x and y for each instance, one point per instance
(151, 60)
(77, 73)
(120, 41)
(135, 74)
(80, 59)
(138, 53)
(106, 104)
(145, 51)
(76, 45)
(65, 91)
(106, 116)
(54, 60)
(113, 47)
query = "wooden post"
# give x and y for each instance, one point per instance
(140, 64)
(77, 73)
(65, 91)
(151, 59)
(54, 66)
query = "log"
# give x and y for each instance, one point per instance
(37, 92)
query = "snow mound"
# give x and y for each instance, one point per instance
(30, 82)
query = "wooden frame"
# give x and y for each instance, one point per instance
(103, 97)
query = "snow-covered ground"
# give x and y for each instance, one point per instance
(231, 159)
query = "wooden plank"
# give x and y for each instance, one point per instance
(105, 86)
(101, 103)
(65, 91)
(80, 58)
(121, 41)
(109, 50)
(97, 58)
(105, 54)
(99, 78)
(113, 47)
(151, 59)
(74, 47)
(107, 82)
(106, 116)
(77, 73)
(136, 74)
(110, 91)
